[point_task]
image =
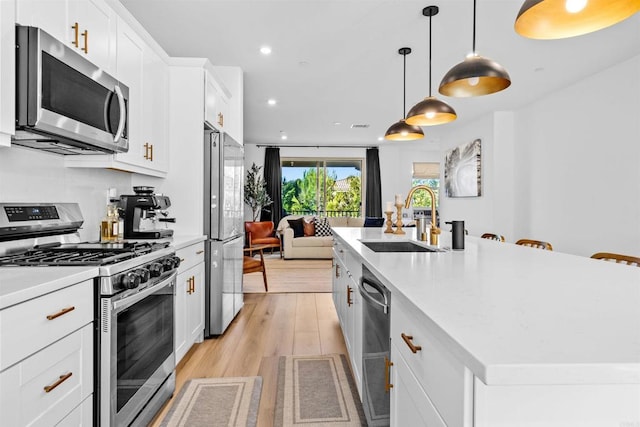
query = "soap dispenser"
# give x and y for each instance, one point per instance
(457, 240)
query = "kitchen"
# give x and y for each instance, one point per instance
(528, 180)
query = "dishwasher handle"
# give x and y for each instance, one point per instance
(365, 294)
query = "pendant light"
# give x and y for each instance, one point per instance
(402, 131)
(430, 111)
(476, 75)
(558, 19)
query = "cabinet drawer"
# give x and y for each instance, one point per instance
(190, 256)
(65, 368)
(447, 382)
(82, 415)
(26, 328)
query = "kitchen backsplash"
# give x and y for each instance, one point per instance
(35, 176)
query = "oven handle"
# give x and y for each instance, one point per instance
(129, 301)
(365, 294)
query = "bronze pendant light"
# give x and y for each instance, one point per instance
(476, 75)
(402, 131)
(431, 111)
(558, 19)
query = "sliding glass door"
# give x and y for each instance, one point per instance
(324, 187)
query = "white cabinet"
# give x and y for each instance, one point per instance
(147, 76)
(216, 103)
(7, 71)
(189, 308)
(88, 26)
(348, 302)
(46, 357)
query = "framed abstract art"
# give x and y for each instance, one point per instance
(462, 171)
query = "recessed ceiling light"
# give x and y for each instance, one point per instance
(380, 138)
(271, 101)
(337, 123)
(283, 136)
(265, 50)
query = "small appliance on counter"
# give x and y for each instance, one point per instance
(143, 214)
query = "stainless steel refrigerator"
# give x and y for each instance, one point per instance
(224, 227)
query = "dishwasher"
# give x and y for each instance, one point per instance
(375, 349)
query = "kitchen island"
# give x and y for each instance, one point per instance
(527, 336)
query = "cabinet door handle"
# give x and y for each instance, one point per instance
(85, 34)
(349, 299)
(60, 313)
(408, 340)
(337, 270)
(146, 150)
(76, 29)
(199, 252)
(193, 284)
(220, 119)
(151, 152)
(189, 285)
(387, 375)
(59, 381)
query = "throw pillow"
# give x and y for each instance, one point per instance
(322, 227)
(297, 225)
(309, 227)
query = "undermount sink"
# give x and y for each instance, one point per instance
(402, 246)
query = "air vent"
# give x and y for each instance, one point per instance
(359, 126)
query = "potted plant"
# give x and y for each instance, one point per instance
(255, 191)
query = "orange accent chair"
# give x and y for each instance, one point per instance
(252, 265)
(535, 244)
(618, 258)
(262, 233)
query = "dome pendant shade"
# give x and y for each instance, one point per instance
(475, 76)
(551, 19)
(430, 112)
(401, 131)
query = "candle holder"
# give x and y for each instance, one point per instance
(399, 219)
(389, 222)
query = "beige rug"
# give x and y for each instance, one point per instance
(317, 391)
(291, 275)
(216, 402)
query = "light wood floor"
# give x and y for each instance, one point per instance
(291, 275)
(267, 327)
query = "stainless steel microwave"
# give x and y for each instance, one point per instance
(64, 103)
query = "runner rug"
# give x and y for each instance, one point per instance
(317, 391)
(216, 402)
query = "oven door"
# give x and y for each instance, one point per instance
(60, 93)
(136, 350)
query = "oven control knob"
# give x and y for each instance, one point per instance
(144, 274)
(168, 264)
(176, 262)
(130, 280)
(155, 269)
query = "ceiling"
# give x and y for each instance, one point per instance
(335, 63)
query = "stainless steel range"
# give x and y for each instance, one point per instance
(134, 315)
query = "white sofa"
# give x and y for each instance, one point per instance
(311, 246)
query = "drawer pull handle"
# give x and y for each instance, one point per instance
(60, 313)
(387, 375)
(199, 252)
(349, 299)
(407, 339)
(60, 380)
(181, 259)
(337, 270)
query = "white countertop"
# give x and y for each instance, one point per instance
(518, 315)
(19, 284)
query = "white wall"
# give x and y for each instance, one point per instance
(36, 176)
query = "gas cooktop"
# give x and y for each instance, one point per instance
(81, 254)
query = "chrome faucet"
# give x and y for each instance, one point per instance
(434, 229)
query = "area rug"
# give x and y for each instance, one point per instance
(291, 275)
(216, 402)
(317, 391)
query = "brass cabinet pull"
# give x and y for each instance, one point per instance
(337, 270)
(221, 119)
(387, 375)
(146, 151)
(59, 381)
(60, 313)
(407, 339)
(189, 285)
(151, 152)
(76, 28)
(193, 284)
(199, 252)
(181, 259)
(349, 300)
(85, 34)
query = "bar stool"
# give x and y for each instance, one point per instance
(617, 258)
(491, 236)
(535, 244)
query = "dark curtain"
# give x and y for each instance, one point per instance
(273, 178)
(373, 190)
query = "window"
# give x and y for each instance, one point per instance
(425, 174)
(326, 187)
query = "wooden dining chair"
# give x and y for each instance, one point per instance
(491, 236)
(535, 244)
(252, 265)
(617, 258)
